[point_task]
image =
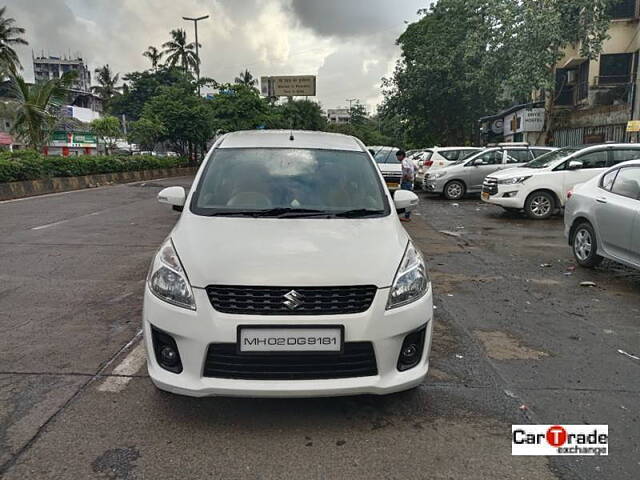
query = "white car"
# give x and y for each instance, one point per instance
(288, 274)
(540, 187)
(440, 157)
(602, 217)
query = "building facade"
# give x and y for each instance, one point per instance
(48, 68)
(338, 115)
(594, 99)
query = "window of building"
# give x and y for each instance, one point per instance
(564, 91)
(623, 9)
(615, 69)
(583, 80)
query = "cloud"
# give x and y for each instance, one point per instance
(349, 44)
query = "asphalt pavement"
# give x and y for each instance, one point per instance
(517, 340)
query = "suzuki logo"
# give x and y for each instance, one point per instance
(293, 300)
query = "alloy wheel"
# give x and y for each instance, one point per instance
(454, 191)
(540, 206)
(583, 244)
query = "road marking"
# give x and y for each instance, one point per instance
(128, 367)
(41, 227)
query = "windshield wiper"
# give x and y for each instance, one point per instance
(359, 213)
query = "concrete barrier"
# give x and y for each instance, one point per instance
(31, 188)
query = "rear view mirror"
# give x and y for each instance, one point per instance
(575, 165)
(405, 200)
(174, 196)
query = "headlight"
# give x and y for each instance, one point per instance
(167, 279)
(412, 279)
(513, 180)
(435, 176)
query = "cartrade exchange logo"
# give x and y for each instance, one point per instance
(560, 440)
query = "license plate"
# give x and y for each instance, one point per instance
(393, 185)
(291, 339)
(485, 196)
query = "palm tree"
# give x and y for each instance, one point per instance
(106, 88)
(36, 106)
(246, 78)
(10, 36)
(178, 51)
(154, 55)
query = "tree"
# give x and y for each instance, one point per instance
(297, 114)
(246, 78)
(36, 106)
(107, 81)
(107, 129)
(187, 118)
(180, 52)
(143, 86)
(10, 36)
(357, 113)
(238, 107)
(147, 132)
(154, 55)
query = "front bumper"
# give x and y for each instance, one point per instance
(434, 185)
(194, 331)
(508, 196)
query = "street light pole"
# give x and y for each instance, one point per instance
(195, 24)
(350, 100)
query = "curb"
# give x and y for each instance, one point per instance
(32, 188)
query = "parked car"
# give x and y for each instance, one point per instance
(602, 217)
(467, 176)
(540, 187)
(439, 157)
(388, 164)
(288, 274)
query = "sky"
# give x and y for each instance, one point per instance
(348, 44)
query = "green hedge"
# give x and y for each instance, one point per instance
(29, 165)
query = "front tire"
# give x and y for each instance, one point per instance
(454, 190)
(585, 246)
(540, 205)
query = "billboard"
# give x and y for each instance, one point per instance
(289, 86)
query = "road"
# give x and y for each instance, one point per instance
(517, 340)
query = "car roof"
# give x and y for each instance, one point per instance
(282, 139)
(605, 145)
(440, 149)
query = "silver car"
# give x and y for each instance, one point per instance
(466, 176)
(602, 217)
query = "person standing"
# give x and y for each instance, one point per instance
(408, 177)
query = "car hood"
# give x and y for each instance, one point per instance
(516, 172)
(289, 252)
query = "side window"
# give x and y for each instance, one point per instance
(627, 183)
(607, 180)
(518, 156)
(622, 155)
(594, 159)
(489, 158)
(451, 155)
(467, 153)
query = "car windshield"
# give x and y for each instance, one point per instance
(384, 154)
(270, 182)
(549, 158)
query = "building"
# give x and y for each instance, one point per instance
(520, 123)
(594, 99)
(338, 115)
(47, 68)
(72, 143)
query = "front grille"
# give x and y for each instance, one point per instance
(274, 301)
(223, 361)
(392, 178)
(490, 186)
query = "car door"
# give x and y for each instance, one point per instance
(617, 212)
(593, 163)
(482, 166)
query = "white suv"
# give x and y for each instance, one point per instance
(540, 187)
(288, 274)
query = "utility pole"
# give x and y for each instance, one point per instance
(195, 24)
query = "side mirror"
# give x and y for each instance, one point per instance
(575, 165)
(174, 196)
(405, 200)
